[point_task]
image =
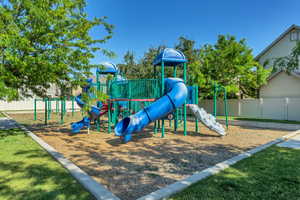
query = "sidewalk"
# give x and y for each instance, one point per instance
(293, 143)
(6, 123)
(268, 125)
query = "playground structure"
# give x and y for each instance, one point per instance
(217, 89)
(60, 108)
(142, 101)
(133, 104)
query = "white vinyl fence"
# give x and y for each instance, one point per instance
(29, 105)
(266, 108)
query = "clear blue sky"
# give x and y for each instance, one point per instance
(140, 24)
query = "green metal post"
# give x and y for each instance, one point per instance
(34, 110)
(46, 114)
(109, 117)
(162, 92)
(115, 107)
(65, 108)
(184, 106)
(61, 111)
(225, 106)
(215, 100)
(97, 80)
(196, 99)
(49, 109)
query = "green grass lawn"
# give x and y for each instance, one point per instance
(271, 174)
(1, 114)
(260, 120)
(27, 172)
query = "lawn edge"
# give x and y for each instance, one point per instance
(178, 186)
(96, 189)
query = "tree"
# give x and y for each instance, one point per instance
(230, 63)
(142, 68)
(288, 63)
(129, 62)
(44, 42)
(146, 63)
(187, 47)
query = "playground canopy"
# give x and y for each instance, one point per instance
(108, 68)
(170, 57)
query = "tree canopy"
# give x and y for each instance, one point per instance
(228, 62)
(46, 42)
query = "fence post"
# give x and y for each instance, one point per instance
(225, 107)
(73, 106)
(215, 100)
(287, 107)
(57, 106)
(261, 102)
(239, 107)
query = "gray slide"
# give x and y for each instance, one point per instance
(207, 119)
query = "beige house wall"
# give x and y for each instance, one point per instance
(282, 85)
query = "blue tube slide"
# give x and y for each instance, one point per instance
(175, 96)
(94, 112)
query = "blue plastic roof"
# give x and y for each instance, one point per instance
(109, 68)
(170, 57)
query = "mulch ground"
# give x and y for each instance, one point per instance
(149, 162)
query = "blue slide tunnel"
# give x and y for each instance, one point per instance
(175, 95)
(94, 112)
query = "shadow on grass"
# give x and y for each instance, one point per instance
(37, 176)
(11, 132)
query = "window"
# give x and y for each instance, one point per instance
(294, 36)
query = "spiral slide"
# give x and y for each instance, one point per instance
(175, 96)
(101, 108)
(94, 113)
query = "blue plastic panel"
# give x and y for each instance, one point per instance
(170, 57)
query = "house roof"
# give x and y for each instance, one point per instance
(293, 27)
(294, 73)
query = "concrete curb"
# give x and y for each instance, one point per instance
(95, 188)
(198, 176)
